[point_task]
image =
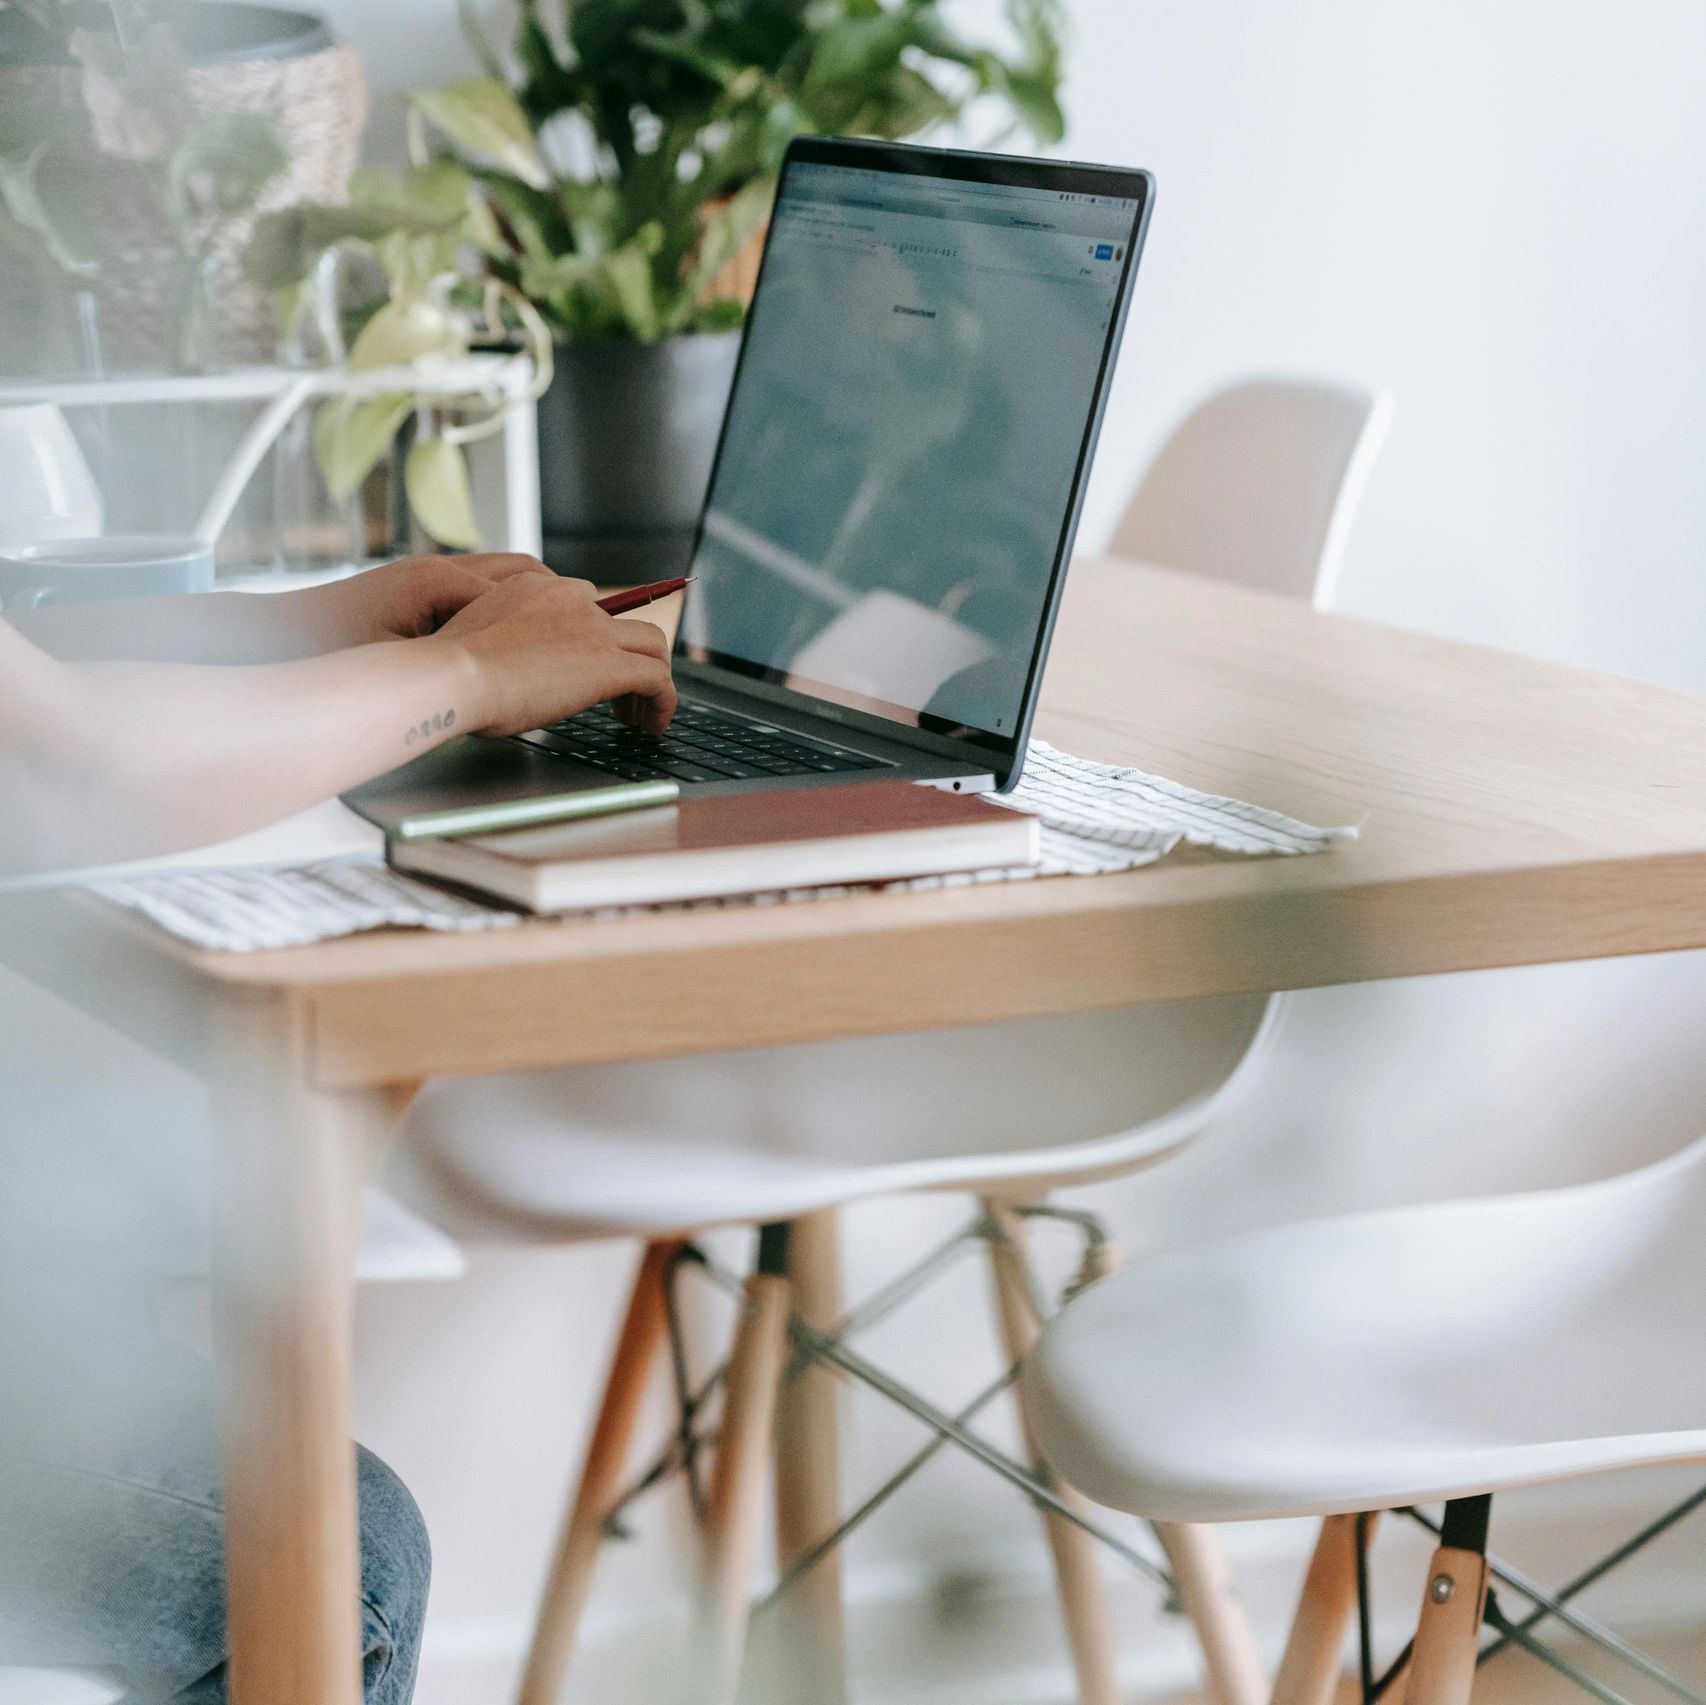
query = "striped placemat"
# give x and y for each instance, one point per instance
(1096, 819)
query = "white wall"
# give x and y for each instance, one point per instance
(1497, 211)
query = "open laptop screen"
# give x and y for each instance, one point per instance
(908, 432)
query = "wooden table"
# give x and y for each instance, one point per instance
(1514, 811)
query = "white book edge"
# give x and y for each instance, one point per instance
(646, 879)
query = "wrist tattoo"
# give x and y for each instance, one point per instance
(442, 723)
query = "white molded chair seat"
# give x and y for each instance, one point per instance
(1387, 1358)
(774, 1134)
(128, 1168)
(54, 1687)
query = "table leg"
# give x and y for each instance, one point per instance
(288, 1165)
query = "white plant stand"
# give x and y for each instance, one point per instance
(504, 468)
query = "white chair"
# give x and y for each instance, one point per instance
(54, 1687)
(1385, 1360)
(133, 1171)
(1259, 484)
(46, 489)
(783, 1137)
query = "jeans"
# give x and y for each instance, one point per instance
(112, 1536)
(123, 1571)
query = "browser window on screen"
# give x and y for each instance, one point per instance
(904, 434)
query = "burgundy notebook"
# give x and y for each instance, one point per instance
(746, 843)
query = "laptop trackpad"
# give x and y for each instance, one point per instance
(469, 771)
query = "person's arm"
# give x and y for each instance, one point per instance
(399, 600)
(107, 761)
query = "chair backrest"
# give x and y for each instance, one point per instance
(1259, 484)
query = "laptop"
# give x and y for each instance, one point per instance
(892, 504)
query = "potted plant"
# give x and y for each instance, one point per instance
(416, 228)
(138, 140)
(624, 153)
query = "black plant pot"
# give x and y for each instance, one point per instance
(626, 436)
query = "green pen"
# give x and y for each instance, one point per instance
(530, 813)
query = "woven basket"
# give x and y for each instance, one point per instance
(318, 103)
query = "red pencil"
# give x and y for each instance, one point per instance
(637, 597)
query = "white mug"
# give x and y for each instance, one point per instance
(88, 571)
(46, 490)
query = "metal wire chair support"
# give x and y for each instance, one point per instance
(1636, 1542)
(1517, 1634)
(830, 1348)
(1098, 1246)
(951, 1430)
(687, 1401)
(1546, 1605)
(1371, 1687)
(809, 1560)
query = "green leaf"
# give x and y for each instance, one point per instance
(548, 86)
(286, 244)
(435, 475)
(223, 164)
(1034, 97)
(683, 50)
(723, 315)
(474, 34)
(484, 231)
(422, 214)
(629, 273)
(601, 33)
(403, 330)
(290, 305)
(533, 221)
(726, 233)
(1032, 84)
(908, 103)
(432, 196)
(350, 436)
(20, 191)
(596, 215)
(481, 115)
(849, 55)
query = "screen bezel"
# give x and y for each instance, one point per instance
(1001, 754)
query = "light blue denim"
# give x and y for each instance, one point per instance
(124, 1572)
(112, 1537)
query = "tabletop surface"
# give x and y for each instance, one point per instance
(1513, 811)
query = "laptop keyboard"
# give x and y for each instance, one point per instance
(701, 745)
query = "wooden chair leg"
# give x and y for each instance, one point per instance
(582, 1535)
(1208, 1595)
(1442, 1666)
(737, 1480)
(808, 1658)
(1314, 1653)
(1083, 1602)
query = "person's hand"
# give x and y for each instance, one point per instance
(539, 649)
(404, 600)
